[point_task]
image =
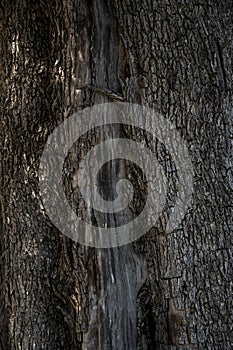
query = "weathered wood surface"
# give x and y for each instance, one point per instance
(163, 291)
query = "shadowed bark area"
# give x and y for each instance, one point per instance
(164, 291)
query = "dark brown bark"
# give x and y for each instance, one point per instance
(164, 291)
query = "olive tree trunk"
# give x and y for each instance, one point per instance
(164, 291)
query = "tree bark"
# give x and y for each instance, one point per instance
(164, 291)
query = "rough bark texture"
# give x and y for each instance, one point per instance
(163, 291)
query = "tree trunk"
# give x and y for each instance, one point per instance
(164, 291)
